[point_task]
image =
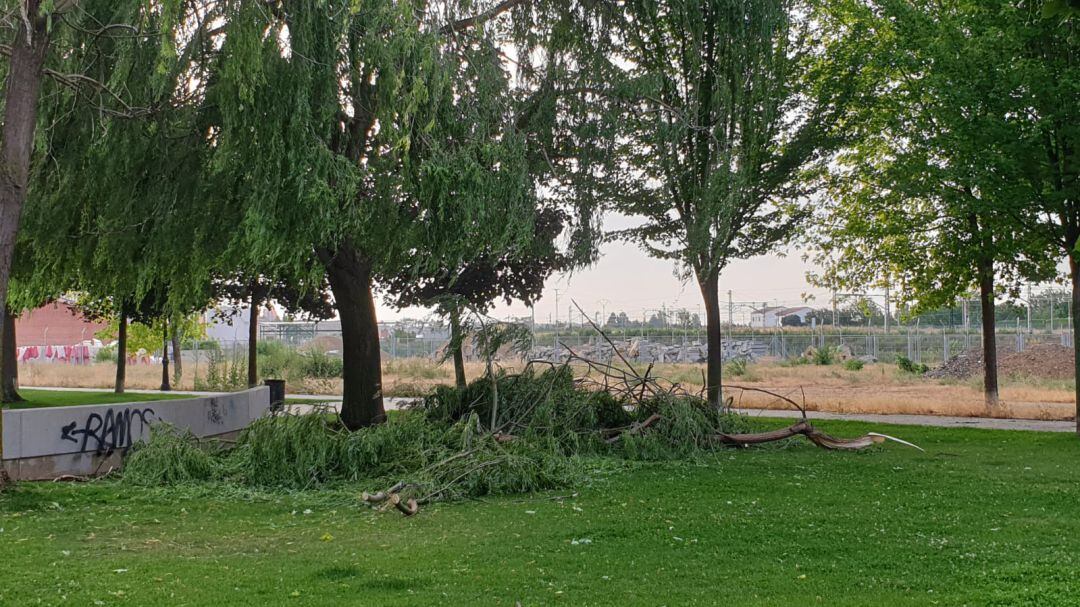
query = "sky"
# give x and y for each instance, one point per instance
(626, 279)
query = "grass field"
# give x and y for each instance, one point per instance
(982, 518)
(58, 398)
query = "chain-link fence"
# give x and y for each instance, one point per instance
(929, 347)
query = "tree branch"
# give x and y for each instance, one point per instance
(479, 19)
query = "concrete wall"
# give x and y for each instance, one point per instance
(48, 442)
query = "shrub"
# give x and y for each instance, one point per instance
(320, 365)
(223, 374)
(106, 355)
(825, 355)
(906, 365)
(853, 364)
(735, 367)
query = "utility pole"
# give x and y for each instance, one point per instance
(730, 313)
(834, 308)
(1029, 304)
(556, 310)
(886, 308)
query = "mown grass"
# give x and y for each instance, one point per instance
(63, 398)
(982, 518)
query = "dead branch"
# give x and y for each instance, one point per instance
(819, 438)
(799, 408)
(635, 429)
(466, 23)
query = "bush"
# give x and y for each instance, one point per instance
(735, 367)
(906, 365)
(106, 355)
(825, 355)
(853, 364)
(223, 374)
(320, 365)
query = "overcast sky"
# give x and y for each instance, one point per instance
(626, 279)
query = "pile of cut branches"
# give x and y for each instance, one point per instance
(502, 433)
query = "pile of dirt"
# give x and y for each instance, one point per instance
(1044, 361)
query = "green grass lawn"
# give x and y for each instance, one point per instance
(64, 398)
(983, 518)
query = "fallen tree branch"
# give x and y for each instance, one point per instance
(819, 438)
(635, 429)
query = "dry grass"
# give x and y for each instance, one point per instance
(877, 388)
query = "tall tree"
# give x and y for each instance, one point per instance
(29, 28)
(718, 111)
(926, 196)
(368, 135)
(116, 180)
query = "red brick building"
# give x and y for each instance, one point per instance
(54, 324)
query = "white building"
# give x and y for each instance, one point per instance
(773, 316)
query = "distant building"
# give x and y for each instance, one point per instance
(773, 316)
(56, 323)
(227, 324)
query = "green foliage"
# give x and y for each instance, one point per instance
(907, 365)
(143, 336)
(443, 447)
(320, 365)
(736, 367)
(170, 457)
(106, 355)
(825, 355)
(853, 364)
(223, 373)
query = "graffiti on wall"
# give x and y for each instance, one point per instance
(107, 432)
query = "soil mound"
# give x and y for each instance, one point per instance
(1044, 361)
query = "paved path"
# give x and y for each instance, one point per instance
(905, 420)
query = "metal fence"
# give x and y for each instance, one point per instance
(924, 346)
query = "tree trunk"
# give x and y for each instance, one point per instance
(989, 333)
(456, 345)
(178, 368)
(9, 362)
(121, 351)
(1074, 273)
(715, 361)
(253, 338)
(349, 274)
(165, 387)
(17, 137)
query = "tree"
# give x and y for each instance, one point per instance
(369, 136)
(1045, 47)
(514, 274)
(24, 73)
(928, 199)
(714, 123)
(117, 207)
(49, 41)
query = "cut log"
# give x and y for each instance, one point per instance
(407, 508)
(374, 498)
